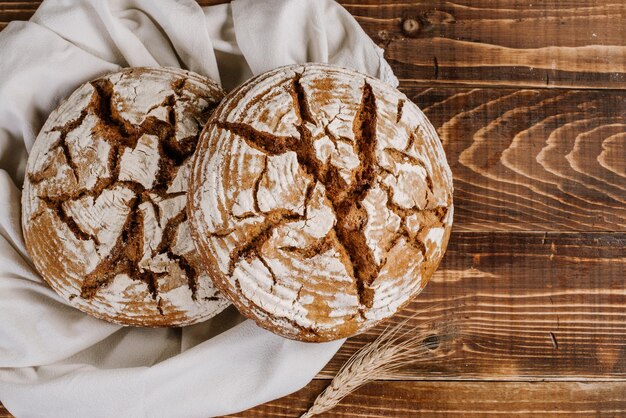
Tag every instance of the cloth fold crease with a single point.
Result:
(57, 361)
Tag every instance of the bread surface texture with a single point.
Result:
(104, 200)
(320, 201)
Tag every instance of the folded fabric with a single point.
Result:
(57, 361)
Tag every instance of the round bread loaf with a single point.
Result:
(320, 201)
(105, 195)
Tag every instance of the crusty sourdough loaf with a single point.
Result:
(320, 200)
(103, 205)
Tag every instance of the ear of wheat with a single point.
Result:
(394, 348)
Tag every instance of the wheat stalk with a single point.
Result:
(380, 359)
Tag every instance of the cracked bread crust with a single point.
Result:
(320, 201)
(105, 195)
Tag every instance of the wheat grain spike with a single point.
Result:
(379, 359)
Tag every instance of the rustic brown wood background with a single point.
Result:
(527, 313)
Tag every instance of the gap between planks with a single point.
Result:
(528, 379)
(407, 83)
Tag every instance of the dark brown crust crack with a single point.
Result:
(59, 211)
(255, 241)
(345, 200)
(62, 144)
(427, 218)
(123, 258)
(36, 178)
(257, 185)
(351, 215)
(399, 111)
(301, 103)
(261, 141)
(190, 272)
(327, 243)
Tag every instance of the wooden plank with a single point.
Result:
(535, 43)
(536, 160)
(22, 10)
(519, 306)
(406, 399)
(527, 159)
(4, 413)
(505, 42)
(16, 10)
(467, 399)
(515, 306)
(532, 159)
(459, 399)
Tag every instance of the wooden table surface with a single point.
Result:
(527, 312)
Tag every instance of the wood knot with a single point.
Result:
(431, 342)
(411, 26)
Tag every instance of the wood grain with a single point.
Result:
(467, 399)
(23, 10)
(460, 399)
(523, 159)
(16, 10)
(541, 43)
(511, 307)
(533, 160)
(532, 288)
(520, 306)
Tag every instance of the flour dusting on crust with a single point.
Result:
(321, 200)
(105, 196)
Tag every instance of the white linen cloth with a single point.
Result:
(56, 361)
